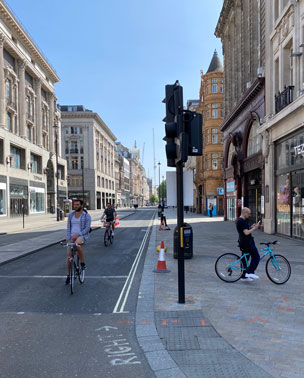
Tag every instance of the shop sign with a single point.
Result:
(220, 191)
(299, 149)
(230, 186)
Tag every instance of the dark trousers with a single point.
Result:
(210, 213)
(254, 255)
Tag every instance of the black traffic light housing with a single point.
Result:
(193, 127)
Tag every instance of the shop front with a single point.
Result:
(18, 198)
(231, 200)
(290, 186)
(81, 195)
(37, 199)
(3, 194)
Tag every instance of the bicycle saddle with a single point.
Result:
(268, 244)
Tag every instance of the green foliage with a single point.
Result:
(162, 190)
(153, 199)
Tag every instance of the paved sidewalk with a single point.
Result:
(244, 329)
(49, 233)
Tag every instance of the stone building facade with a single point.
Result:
(282, 129)
(241, 27)
(209, 167)
(28, 113)
(88, 147)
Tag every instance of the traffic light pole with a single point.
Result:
(180, 225)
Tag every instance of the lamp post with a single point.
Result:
(56, 127)
(159, 182)
(163, 190)
(82, 171)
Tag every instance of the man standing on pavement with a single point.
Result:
(110, 215)
(247, 245)
(78, 228)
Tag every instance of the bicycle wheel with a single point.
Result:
(228, 268)
(278, 269)
(80, 272)
(72, 275)
(105, 239)
(110, 237)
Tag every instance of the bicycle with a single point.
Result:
(108, 237)
(75, 269)
(229, 267)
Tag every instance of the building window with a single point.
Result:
(81, 146)
(17, 157)
(214, 136)
(207, 115)
(74, 147)
(9, 121)
(103, 182)
(36, 163)
(222, 161)
(80, 130)
(1, 151)
(29, 132)
(74, 162)
(214, 113)
(222, 88)
(214, 161)
(214, 80)
(254, 140)
(74, 130)
(214, 88)
(106, 184)
(207, 136)
(98, 180)
(66, 146)
(8, 91)
(81, 162)
(206, 162)
(206, 89)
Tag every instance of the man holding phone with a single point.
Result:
(247, 245)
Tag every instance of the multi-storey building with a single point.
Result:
(282, 128)
(28, 115)
(124, 156)
(88, 146)
(209, 167)
(241, 27)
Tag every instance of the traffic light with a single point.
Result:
(174, 123)
(193, 128)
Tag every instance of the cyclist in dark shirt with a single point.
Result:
(110, 215)
(247, 245)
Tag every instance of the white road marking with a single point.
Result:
(87, 277)
(121, 302)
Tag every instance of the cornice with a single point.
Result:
(27, 41)
(92, 115)
(249, 95)
(228, 4)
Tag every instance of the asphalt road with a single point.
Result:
(46, 332)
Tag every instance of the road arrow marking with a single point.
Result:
(106, 328)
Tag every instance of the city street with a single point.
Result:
(46, 332)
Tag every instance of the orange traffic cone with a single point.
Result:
(116, 221)
(161, 263)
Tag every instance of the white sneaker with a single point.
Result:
(112, 233)
(247, 279)
(252, 275)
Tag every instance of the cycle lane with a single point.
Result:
(261, 320)
(40, 319)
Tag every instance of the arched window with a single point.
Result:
(254, 140)
(230, 153)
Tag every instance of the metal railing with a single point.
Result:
(284, 98)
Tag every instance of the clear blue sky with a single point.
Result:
(115, 58)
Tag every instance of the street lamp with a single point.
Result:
(56, 127)
(163, 189)
(159, 182)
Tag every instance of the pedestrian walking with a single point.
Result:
(210, 208)
(247, 245)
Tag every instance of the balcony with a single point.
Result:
(284, 98)
(11, 104)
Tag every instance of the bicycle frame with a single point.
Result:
(244, 256)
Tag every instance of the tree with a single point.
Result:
(153, 199)
(162, 191)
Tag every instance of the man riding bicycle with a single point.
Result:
(110, 215)
(78, 228)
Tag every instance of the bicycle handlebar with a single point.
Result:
(70, 244)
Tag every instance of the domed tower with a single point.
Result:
(209, 172)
